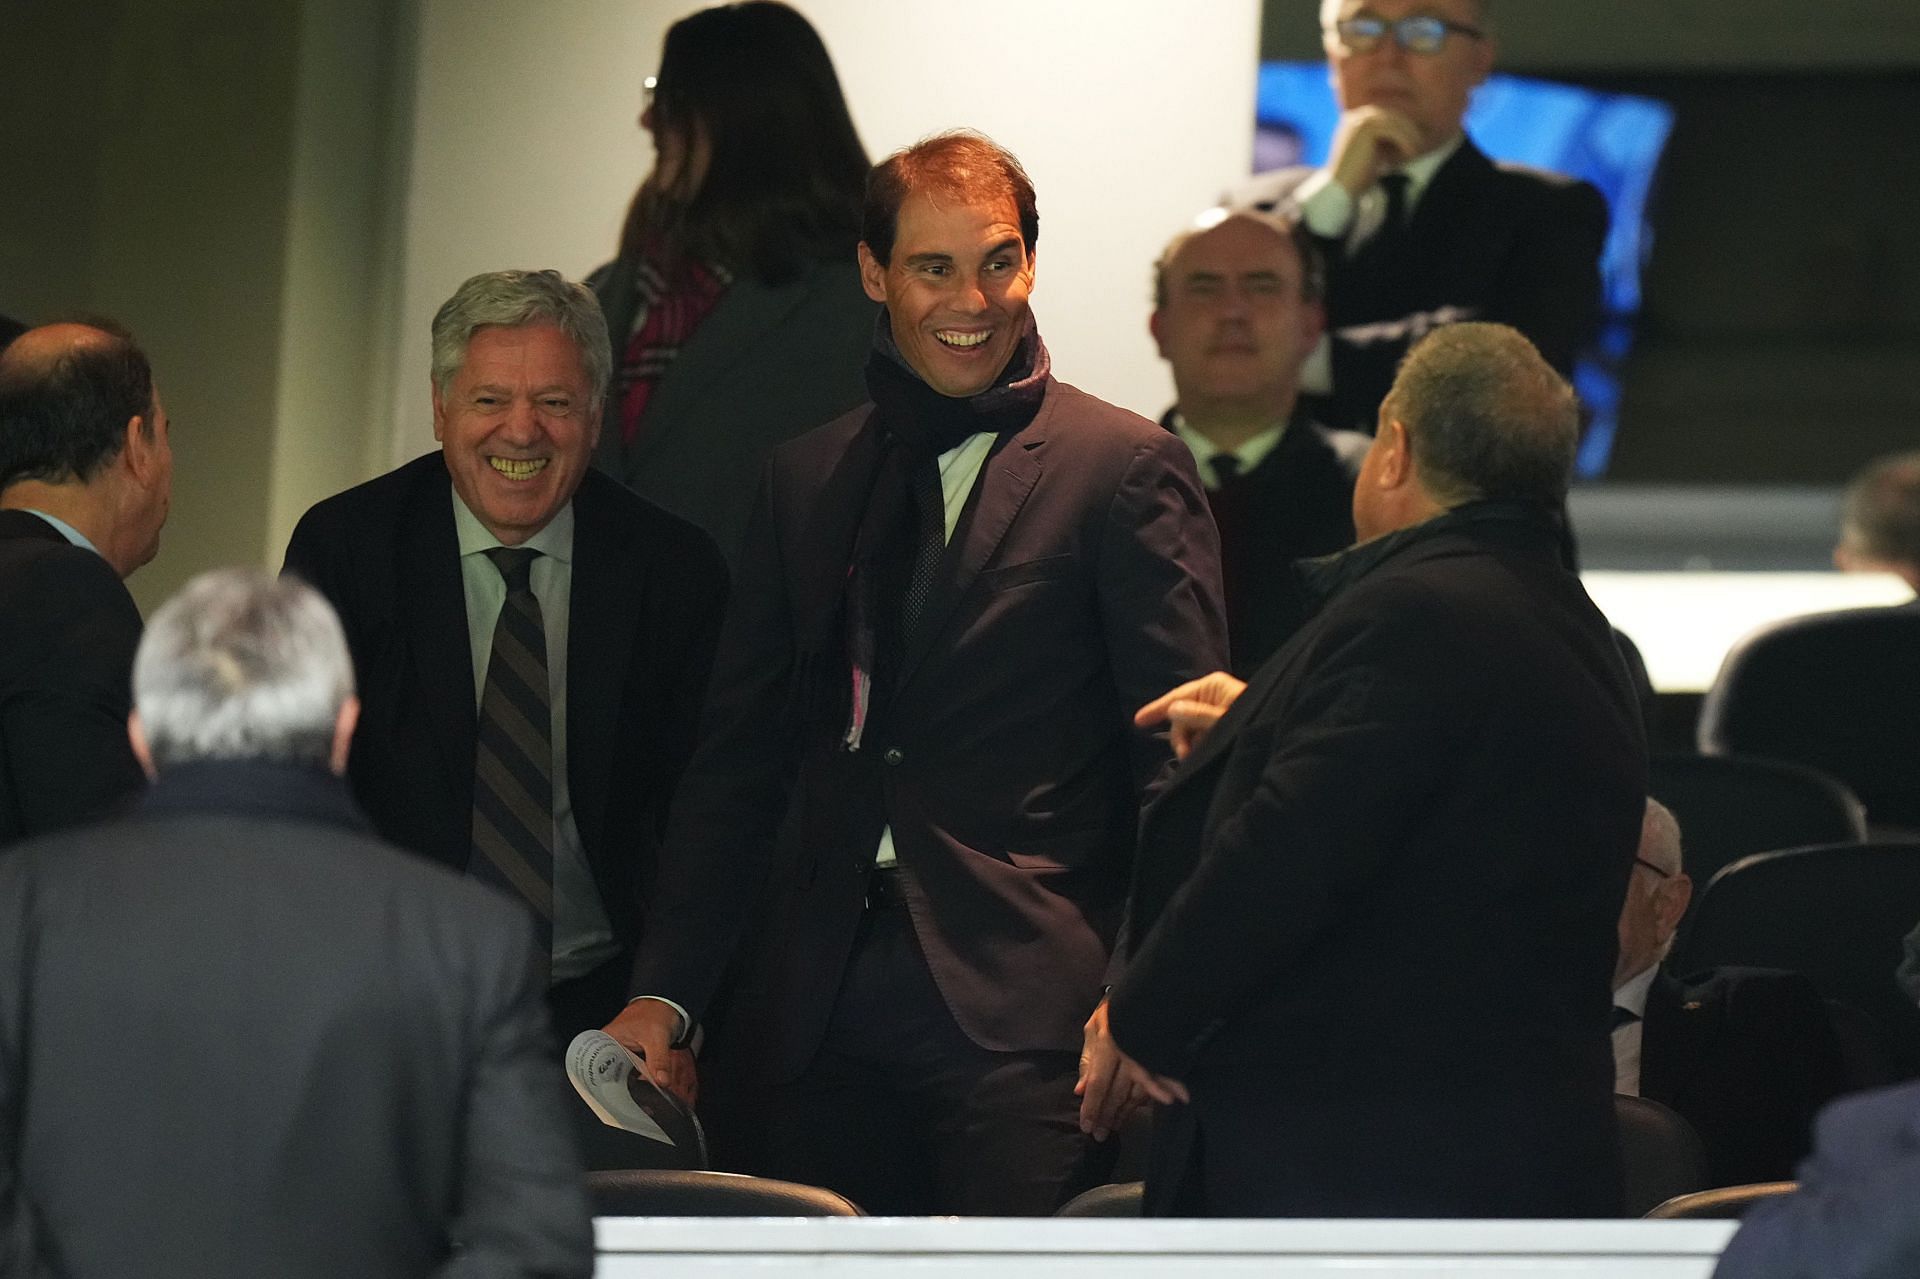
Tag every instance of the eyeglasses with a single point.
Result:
(1422, 33)
(1664, 874)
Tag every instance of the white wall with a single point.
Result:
(1130, 115)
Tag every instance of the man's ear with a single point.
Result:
(439, 413)
(140, 449)
(137, 738)
(873, 275)
(1153, 327)
(1313, 322)
(1396, 456)
(1671, 904)
(343, 725)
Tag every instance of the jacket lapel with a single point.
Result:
(1006, 479)
(603, 606)
(434, 605)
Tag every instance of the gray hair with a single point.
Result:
(1880, 519)
(1487, 415)
(239, 665)
(516, 299)
(1482, 14)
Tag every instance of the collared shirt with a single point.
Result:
(1628, 1037)
(1204, 450)
(960, 469)
(1332, 214)
(65, 530)
(582, 938)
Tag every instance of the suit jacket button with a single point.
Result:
(893, 755)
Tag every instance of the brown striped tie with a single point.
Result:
(513, 757)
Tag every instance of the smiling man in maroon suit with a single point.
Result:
(918, 743)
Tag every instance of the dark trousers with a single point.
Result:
(901, 1112)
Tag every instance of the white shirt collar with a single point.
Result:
(1421, 168)
(1632, 994)
(64, 529)
(554, 541)
(1250, 454)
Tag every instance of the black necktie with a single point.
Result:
(513, 758)
(929, 543)
(1624, 1017)
(1226, 469)
(1380, 254)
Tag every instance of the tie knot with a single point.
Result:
(1395, 185)
(1624, 1016)
(515, 564)
(1226, 468)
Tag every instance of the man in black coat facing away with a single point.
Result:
(86, 478)
(918, 738)
(1373, 921)
(241, 1036)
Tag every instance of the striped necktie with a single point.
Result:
(513, 756)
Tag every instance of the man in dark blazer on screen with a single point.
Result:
(1373, 915)
(547, 772)
(918, 741)
(1419, 227)
(86, 477)
(239, 1035)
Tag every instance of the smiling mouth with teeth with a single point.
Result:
(962, 341)
(517, 468)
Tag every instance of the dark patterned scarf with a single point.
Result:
(851, 649)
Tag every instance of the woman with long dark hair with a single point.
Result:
(735, 307)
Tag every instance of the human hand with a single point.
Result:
(1113, 1085)
(647, 1028)
(1368, 142)
(1192, 709)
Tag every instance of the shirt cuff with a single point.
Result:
(680, 1033)
(1324, 205)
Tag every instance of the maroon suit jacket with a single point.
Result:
(1081, 581)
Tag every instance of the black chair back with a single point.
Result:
(1730, 806)
(665, 1192)
(1839, 692)
(1660, 1153)
(1122, 1199)
(1727, 1203)
(1837, 914)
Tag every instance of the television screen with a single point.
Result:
(1613, 140)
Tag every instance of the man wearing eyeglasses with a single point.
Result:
(1746, 1055)
(1419, 227)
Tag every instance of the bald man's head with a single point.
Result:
(67, 393)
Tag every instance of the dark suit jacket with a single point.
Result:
(1853, 1216)
(648, 591)
(1297, 503)
(1491, 241)
(239, 1036)
(1081, 581)
(68, 630)
(766, 365)
(1432, 791)
(1746, 1055)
